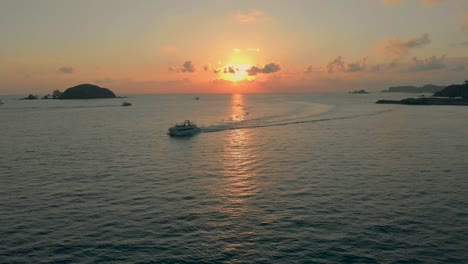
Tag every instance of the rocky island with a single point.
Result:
(456, 94)
(359, 92)
(30, 97)
(86, 91)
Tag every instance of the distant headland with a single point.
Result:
(82, 91)
(455, 94)
(428, 88)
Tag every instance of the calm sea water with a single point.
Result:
(304, 178)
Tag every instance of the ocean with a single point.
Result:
(272, 178)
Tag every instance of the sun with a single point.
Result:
(236, 72)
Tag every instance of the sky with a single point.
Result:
(235, 46)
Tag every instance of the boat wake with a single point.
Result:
(242, 125)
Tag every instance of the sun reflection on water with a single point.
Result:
(238, 162)
(238, 109)
(236, 185)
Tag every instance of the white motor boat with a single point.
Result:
(186, 128)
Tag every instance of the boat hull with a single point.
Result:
(184, 132)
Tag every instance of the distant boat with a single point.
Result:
(196, 98)
(126, 104)
(186, 128)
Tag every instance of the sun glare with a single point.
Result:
(236, 72)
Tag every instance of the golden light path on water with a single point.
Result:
(238, 160)
(239, 176)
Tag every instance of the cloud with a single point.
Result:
(309, 70)
(226, 70)
(188, 67)
(400, 48)
(230, 69)
(357, 66)
(268, 68)
(271, 67)
(464, 26)
(65, 70)
(254, 70)
(339, 65)
(428, 64)
(250, 17)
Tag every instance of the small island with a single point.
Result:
(359, 92)
(82, 91)
(30, 97)
(86, 91)
(456, 94)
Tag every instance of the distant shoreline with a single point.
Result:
(428, 88)
(427, 101)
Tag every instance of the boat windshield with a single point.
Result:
(186, 123)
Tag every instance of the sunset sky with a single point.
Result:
(216, 46)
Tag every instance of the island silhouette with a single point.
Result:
(455, 94)
(428, 88)
(87, 91)
(82, 91)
